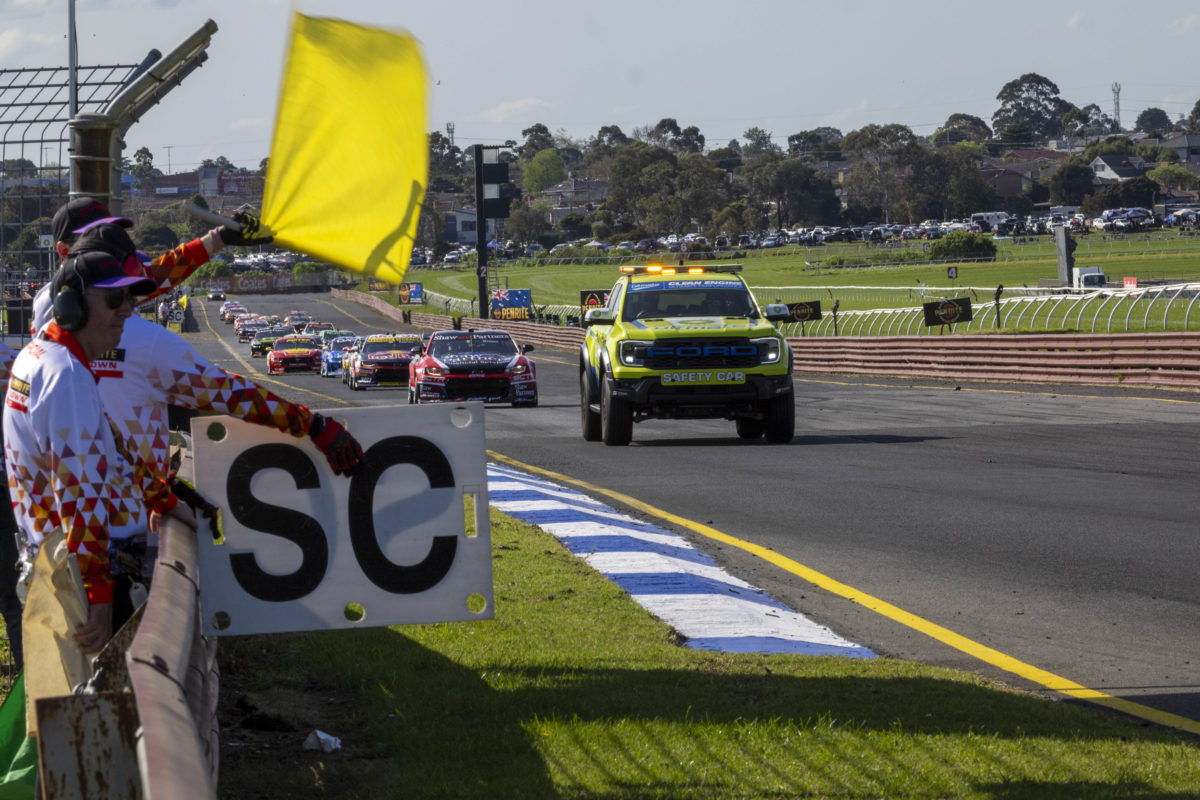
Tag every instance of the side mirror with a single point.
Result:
(598, 316)
(526, 348)
(777, 312)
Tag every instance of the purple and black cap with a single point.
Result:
(80, 215)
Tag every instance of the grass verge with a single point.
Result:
(574, 691)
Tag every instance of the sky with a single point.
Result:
(781, 65)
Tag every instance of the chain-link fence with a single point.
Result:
(34, 170)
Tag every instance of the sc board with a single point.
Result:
(305, 549)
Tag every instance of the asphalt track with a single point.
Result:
(1045, 536)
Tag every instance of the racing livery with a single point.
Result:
(332, 352)
(687, 342)
(382, 360)
(264, 340)
(294, 354)
(473, 365)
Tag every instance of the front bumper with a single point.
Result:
(383, 376)
(295, 365)
(650, 396)
(487, 390)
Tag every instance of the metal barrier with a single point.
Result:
(161, 740)
(1169, 360)
(1159, 359)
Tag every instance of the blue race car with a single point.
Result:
(331, 354)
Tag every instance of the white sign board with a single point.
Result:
(306, 549)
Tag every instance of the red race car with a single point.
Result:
(473, 365)
(294, 354)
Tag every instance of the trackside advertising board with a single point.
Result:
(305, 549)
(512, 304)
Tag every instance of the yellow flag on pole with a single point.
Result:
(350, 155)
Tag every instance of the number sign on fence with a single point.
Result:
(305, 549)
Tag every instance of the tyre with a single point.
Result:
(749, 428)
(616, 418)
(591, 419)
(780, 422)
(412, 396)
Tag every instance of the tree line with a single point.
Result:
(661, 178)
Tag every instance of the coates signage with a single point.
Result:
(948, 312)
(512, 304)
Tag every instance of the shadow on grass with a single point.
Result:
(415, 723)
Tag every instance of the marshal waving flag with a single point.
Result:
(349, 157)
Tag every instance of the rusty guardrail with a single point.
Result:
(1170, 360)
(160, 739)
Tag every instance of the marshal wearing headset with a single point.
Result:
(69, 478)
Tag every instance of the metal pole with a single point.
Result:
(73, 89)
(480, 234)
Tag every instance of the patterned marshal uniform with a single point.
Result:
(65, 466)
(153, 367)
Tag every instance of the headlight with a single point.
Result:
(520, 369)
(769, 350)
(633, 353)
(435, 372)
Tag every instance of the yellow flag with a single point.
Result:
(349, 158)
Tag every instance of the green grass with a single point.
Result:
(574, 691)
(1159, 256)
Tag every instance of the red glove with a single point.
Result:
(341, 449)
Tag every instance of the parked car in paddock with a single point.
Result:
(382, 360)
(265, 339)
(296, 353)
(332, 353)
(482, 365)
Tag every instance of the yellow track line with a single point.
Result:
(945, 635)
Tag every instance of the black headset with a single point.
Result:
(70, 302)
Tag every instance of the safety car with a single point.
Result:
(686, 342)
(482, 365)
(382, 360)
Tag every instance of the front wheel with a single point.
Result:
(780, 423)
(616, 417)
(590, 418)
(749, 428)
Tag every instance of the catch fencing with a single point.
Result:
(1147, 309)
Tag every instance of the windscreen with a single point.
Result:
(501, 344)
(691, 298)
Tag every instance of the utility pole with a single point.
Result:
(168, 148)
(1116, 89)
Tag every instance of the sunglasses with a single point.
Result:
(115, 297)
